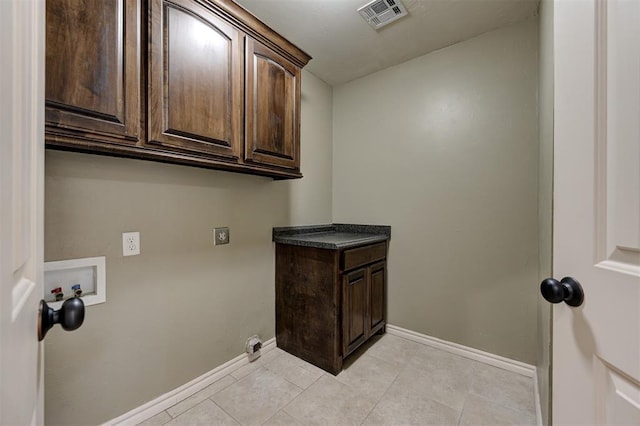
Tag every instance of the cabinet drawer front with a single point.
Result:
(363, 255)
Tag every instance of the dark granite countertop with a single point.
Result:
(332, 236)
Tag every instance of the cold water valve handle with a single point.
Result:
(568, 290)
(70, 316)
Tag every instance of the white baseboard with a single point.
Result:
(169, 399)
(536, 389)
(465, 351)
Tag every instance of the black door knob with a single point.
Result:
(568, 290)
(70, 316)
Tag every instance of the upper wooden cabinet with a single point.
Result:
(92, 71)
(221, 89)
(273, 105)
(195, 80)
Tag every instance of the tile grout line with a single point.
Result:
(480, 365)
(390, 386)
(170, 417)
(220, 390)
(262, 367)
(384, 394)
(505, 405)
(169, 414)
(468, 392)
(295, 384)
(464, 404)
(202, 390)
(292, 399)
(298, 396)
(475, 363)
(200, 402)
(224, 411)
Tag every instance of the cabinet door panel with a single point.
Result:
(273, 105)
(354, 310)
(92, 74)
(195, 81)
(377, 297)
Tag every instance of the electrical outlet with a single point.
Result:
(253, 347)
(220, 236)
(130, 243)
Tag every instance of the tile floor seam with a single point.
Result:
(167, 411)
(462, 410)
(377, 400)
(518, 410)
(295, 384)
(285, 408)
(255, 374)
(507, 406)
(431, 398)
(303, 390)
(377, 357)
(503, 404)
(274, 414)
(201, 390)
(383, 395)
(296, 397)
(225, 411)
(370, 411)
(355, 389)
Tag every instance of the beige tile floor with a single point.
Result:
(391, 381)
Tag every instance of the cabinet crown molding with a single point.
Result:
(253, 26)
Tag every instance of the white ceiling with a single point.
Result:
(344, 47)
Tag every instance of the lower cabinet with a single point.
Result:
(329, 302)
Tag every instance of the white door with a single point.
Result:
(596, 347)
(22, 29)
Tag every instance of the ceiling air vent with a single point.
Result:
(379, 13)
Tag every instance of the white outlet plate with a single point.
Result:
(220, 236)
(130, 243)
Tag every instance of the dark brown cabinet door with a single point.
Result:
(377, 278)
(92, 71)
(354, 310)
(272, 108)
(195, 80)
